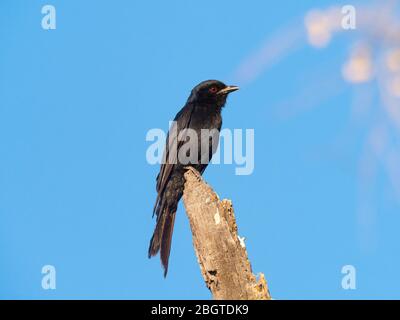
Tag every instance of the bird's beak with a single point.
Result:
(228, 89)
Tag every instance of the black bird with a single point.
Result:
(201, 111)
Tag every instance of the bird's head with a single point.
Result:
(211, 92)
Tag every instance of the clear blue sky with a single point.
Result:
(76, 191)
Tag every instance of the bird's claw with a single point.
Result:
(194, 171)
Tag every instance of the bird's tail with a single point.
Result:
(162, 237)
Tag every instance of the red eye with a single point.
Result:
(213, 89)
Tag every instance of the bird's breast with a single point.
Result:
(206, 119)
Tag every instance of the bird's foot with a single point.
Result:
(195, 172)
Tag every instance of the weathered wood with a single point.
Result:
(221, 253)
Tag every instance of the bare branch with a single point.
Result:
(221, 253)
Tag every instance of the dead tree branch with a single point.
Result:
(221, 253)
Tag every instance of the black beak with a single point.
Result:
(228, 89)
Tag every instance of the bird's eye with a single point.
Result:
(213, 89)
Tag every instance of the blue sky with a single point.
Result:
(76, 191)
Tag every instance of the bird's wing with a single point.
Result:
(181, 122)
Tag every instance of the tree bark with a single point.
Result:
(221, 253)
